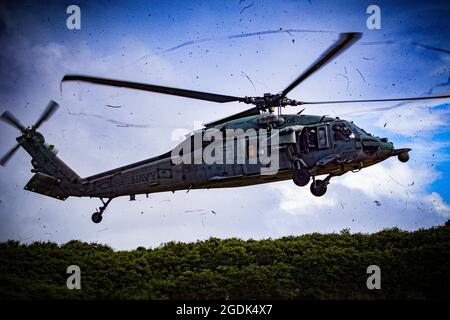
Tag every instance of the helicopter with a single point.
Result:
(306, 146)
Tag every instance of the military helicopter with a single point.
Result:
(308, 146)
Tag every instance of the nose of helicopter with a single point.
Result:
(385, 145)
(387, 150)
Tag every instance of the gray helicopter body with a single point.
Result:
(307, 140)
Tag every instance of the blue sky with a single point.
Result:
(208, 45)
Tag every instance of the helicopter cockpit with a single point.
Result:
(359, 132)
(341, 131)
(346, 130)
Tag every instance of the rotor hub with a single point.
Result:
(270, 101)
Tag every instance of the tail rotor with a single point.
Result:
(8, 155)
(28, 132)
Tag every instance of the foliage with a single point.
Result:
(414, 265)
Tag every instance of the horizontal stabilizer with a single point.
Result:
(46, 185)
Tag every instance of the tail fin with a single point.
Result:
(53, 177)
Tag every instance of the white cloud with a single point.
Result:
(391, 179)
(388, 194)
(412, 120)
(441, 207)
(300, 201)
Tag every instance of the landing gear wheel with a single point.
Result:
(97, 217)
(318, 188)
(301, 177)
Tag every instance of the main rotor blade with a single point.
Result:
(48, 112)
(12, 120)
(154, 88)
(345, 40)
(8, 155)
(246, 113)
(374, 100)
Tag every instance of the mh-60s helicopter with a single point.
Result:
(307, 146)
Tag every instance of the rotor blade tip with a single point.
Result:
(351, 36)
(4, 160)
(68, 77)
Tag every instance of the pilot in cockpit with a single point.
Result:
(341, 131)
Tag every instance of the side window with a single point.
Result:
(322, 137)
(312, 138)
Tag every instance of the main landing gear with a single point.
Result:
(318, 187)
(301, 176)
(97, 215)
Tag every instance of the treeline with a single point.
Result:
(414, 265)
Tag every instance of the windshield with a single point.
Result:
(359, 131)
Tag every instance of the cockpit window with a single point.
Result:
(341, 131)
(359, 131)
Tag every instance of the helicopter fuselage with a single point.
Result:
(318, 145)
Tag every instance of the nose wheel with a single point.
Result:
(97, 215)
